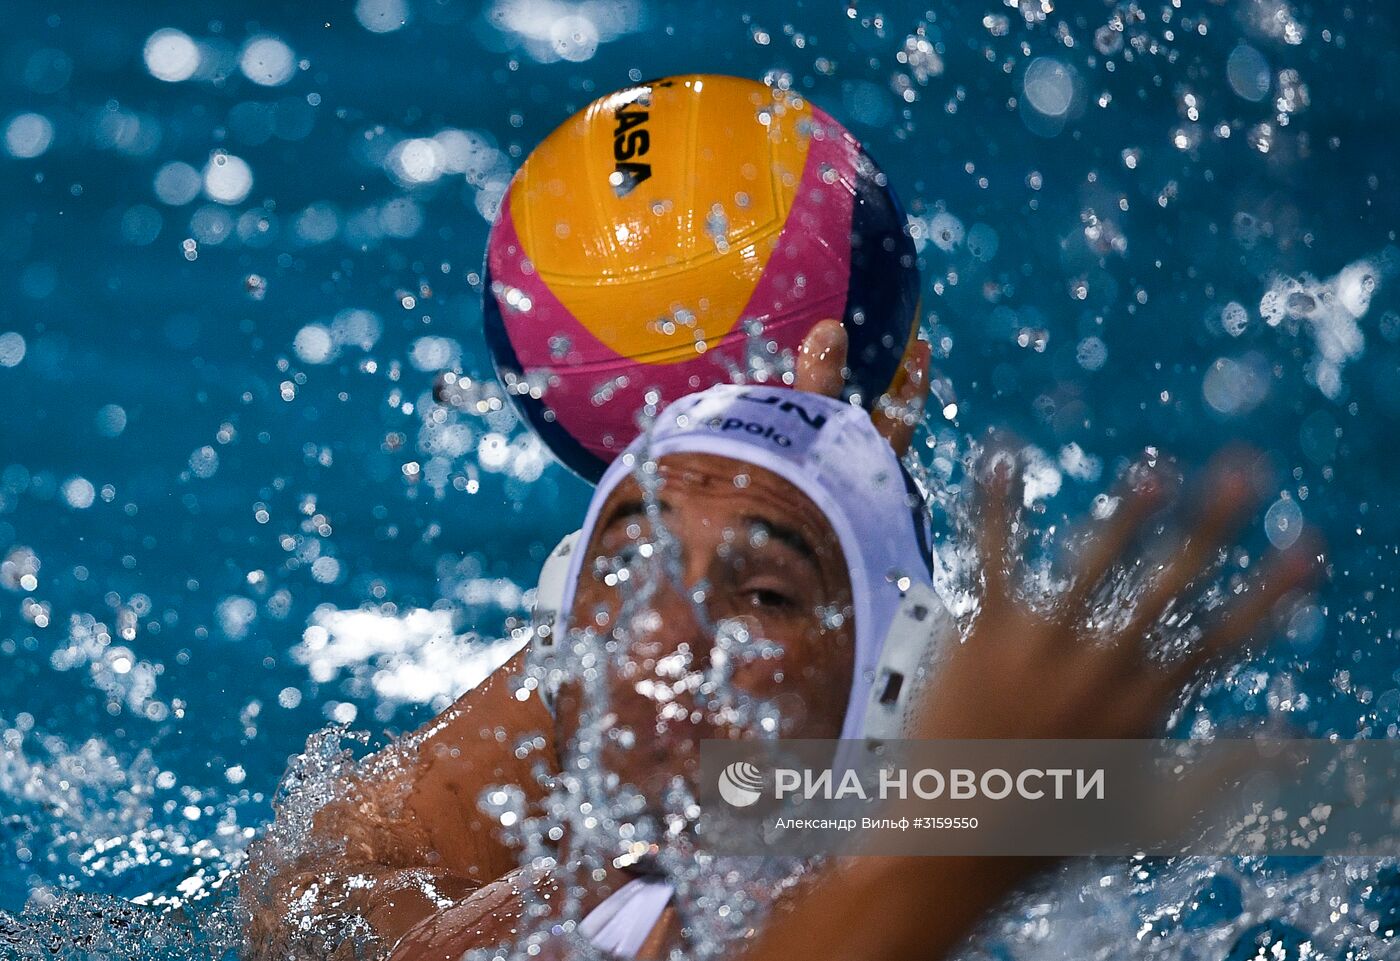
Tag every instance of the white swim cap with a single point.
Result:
(831, 452)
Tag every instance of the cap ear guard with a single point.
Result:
(918, 630)
(549, 601)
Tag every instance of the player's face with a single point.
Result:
(751, 558)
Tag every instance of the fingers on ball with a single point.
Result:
(821, 359)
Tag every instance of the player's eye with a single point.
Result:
(615, 553)
(770, 599)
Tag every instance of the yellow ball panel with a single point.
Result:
(655, 255)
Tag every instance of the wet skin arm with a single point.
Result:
(408, 837)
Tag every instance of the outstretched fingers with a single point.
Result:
(1142, 492)
(1228, 495)
(1000, 491)
(1250, 613)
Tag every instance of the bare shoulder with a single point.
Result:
(491, 736)
(495, 733)
(414, 804)
(501, 696)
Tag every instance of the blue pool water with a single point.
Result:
(234, 264)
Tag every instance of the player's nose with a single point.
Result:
(673, 621)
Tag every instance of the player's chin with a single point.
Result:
(657, 742)
(655, 765)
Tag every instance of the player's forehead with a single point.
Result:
(726, 492)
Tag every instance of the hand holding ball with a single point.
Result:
(682, 233)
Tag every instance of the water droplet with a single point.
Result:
(1248, 73)
(1283, 523)
(1049, 86)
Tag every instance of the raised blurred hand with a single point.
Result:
(1075, 668)
(1081, 668)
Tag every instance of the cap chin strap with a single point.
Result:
(904, 658)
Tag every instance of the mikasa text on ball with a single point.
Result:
(671, 233)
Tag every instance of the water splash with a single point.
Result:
(1330, 312)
